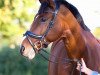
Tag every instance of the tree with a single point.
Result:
(15, 17)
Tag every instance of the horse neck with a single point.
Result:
(72, 34)
(82, 44)
(78, 42)
(75, 44)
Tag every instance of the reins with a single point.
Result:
(66, 60)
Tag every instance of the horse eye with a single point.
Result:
(43, 19)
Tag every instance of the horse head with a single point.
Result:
(52, 22)
(44, 29)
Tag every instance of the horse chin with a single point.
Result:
(31, 54)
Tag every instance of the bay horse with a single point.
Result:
(59, 22)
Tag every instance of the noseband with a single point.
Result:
(41, 39)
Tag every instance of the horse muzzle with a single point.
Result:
(29, 52)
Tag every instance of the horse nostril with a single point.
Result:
(45, 45)
(22, 49)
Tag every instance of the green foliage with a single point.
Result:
(1, 3)
(15, 17)
(12, 63)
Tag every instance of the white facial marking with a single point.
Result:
(31, 54)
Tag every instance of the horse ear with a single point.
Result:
(41, 1)
(51, 3)
(54, 3)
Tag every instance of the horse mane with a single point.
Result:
(76, 14)
(72, 8)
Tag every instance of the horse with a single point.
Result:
(59, 22)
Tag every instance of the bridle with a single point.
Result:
(41, 39)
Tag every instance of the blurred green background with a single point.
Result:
(16, 17)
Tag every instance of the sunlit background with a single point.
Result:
(16, 17)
